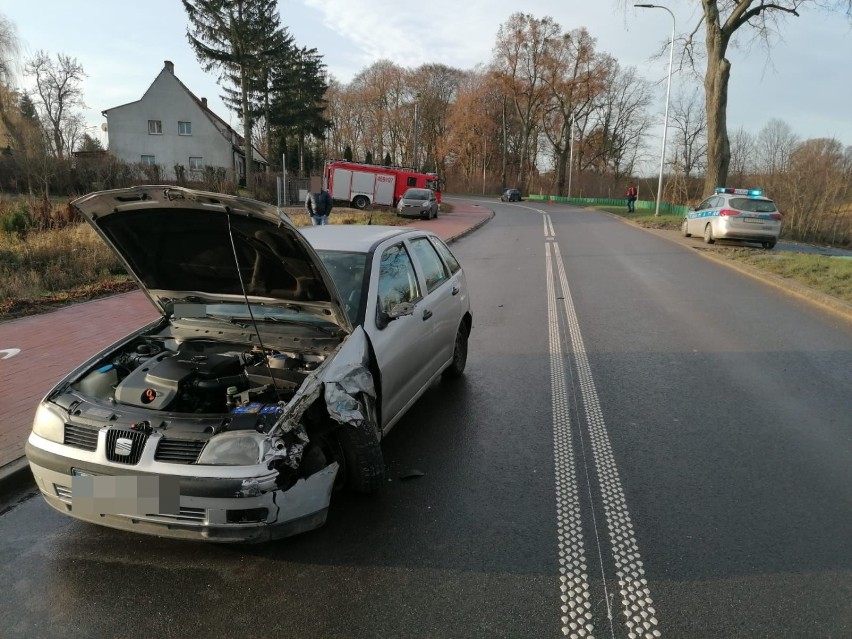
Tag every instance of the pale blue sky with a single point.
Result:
(122, 45)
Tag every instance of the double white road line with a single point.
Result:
(573, 472)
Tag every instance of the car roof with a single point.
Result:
(360, 238)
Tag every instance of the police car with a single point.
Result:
(735, 214)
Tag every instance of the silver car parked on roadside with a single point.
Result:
(735, 214)
(279, 362)
(418, 203)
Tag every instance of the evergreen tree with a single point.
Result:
(347, 153)
(236, 37)
(298, 104)
(388, 161)
(369, 158)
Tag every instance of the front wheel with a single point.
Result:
(360, 455)
(708, 235)
(456, 368)
(684, 228)
(360, 202)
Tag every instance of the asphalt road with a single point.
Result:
(645, 443)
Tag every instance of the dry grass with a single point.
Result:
(42, 270)
(341, 215)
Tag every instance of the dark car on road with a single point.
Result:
(511, 195)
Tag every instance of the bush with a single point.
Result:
(16, 222)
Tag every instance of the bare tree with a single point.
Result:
(689, 121)
(523, 46)
(743, 157)
(617, 123)
(8, 52)
(722, 20)
(576, 75)
(58, 91)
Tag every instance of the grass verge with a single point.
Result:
(829, 275)
(648, 220)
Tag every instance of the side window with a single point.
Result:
(704, 205)
(411, 181)
(432, 265)
(449, 258)
(397, 279)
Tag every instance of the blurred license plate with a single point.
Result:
(124, 495)
(753, 220)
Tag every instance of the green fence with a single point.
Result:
(648, 205)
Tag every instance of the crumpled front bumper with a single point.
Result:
(210, 508)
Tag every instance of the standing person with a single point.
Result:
(632, 193)
(318, 206)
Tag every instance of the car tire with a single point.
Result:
(708, 235)
(362, 463)
(769, 245)
(684, 228)
(360, 202)
(456, 368)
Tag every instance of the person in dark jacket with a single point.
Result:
(318, 206)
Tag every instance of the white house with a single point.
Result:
(170, 126)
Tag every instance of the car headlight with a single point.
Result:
(49, 424)
(235, 449)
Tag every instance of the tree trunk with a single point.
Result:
(246, 129)
(716, 91)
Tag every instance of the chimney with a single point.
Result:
(204, 102)
(170, 66)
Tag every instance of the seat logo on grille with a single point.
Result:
(123, 446)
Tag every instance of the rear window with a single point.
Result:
(753, 206)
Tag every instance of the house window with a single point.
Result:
(149, 159)
(195, 164)
(184, 128)
(155, 127)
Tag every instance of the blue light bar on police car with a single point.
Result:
(749, 192)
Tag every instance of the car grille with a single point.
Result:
(84, 437)
(178, 451)
(62, 492)
(125, 446)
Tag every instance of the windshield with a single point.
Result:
(416, 194)
(347, 269)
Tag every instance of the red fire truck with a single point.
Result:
(366, 184)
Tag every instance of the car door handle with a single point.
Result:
(456, 289)
(427, 314)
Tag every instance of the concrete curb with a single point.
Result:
(471, 229)
(16, 476)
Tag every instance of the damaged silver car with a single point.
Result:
(267, 383)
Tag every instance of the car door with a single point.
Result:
(695, 219)
(440, 304)
(402, 346)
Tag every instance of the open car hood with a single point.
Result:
(183, 245)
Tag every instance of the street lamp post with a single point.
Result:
(668, 91)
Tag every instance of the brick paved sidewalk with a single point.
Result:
(52, 344)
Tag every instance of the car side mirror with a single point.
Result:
(384, 318)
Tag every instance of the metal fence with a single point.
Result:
(650, 205)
